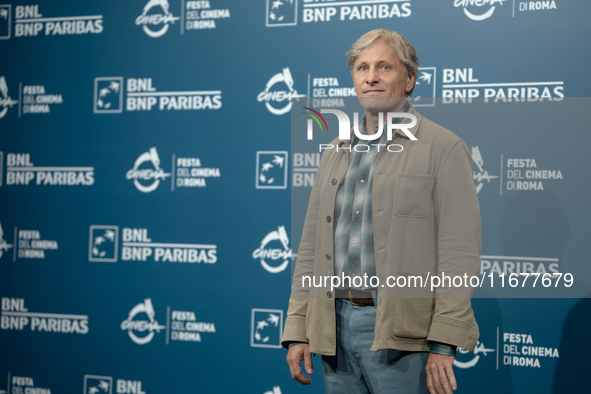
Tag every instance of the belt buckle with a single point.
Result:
(353, 302)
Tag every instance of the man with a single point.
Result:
(386, 213)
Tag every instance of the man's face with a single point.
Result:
(378, 73)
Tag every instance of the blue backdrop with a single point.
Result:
(145, 249)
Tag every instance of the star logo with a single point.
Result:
(97, 384)
(423, 94)
(281, 12)
(267, 328)
(271, 170)
(108, 95)
(103, 243)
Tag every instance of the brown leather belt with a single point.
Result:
(357, 298)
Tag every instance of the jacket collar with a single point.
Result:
(415, 128)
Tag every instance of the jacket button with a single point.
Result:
(333, 181)
(328, 219)
(329, 294)
(328, 256)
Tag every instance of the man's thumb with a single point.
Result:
(308, 363)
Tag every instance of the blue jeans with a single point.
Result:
(355, 369)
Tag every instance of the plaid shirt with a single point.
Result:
(353, 224)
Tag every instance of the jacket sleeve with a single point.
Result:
(459, 245)
(295, 324)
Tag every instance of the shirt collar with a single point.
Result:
(408, 107)
(405, 108)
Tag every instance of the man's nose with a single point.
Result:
(372, 76)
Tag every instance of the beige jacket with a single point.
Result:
(426, 221)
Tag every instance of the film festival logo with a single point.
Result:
(275, 94)
(271, 172)
(156, 18)
(5, 100)
(136, 329)
(94, 384)
(4, 246)
(463, 354)
(5, 11)
(274, 255)
(478, 10)
(103, 244)
(108, 95)
(482, 174)
(266, 328)
(150, 177)
(423, 94)
(282, 13)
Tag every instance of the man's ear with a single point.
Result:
(410, 82)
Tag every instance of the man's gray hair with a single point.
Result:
(404, 50)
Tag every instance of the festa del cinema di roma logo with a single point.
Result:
(154, 175)
(156, 18)
(5, 100)
(4, 246)
(274, 97)
(141, 326)
(462, 362)
(264, 253)
(480, 5)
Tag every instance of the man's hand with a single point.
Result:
(440, 375)
(295, 355)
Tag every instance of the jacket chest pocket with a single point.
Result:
(414, 195)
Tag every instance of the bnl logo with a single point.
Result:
(271, 170)
(345, 124)
(103, 241)
(423, 94)
(94, 384)
(108, 95)
(282, 13)
(266, 328)
(5, 11)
